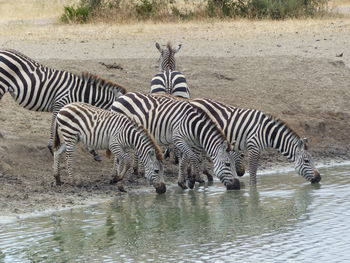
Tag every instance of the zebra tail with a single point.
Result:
(56, 140)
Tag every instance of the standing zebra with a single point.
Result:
(40, 88)
(168, 80)
(101, 129)
(254, 131)
(175, 121)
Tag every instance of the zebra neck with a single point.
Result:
(286, 145)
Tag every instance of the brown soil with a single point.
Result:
(295, 76)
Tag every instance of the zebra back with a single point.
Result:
(170, 82)
(95, 91)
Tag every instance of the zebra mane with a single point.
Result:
(21, 55)
(99, 81)
(278, 121)
(151, 140)
(212, 121)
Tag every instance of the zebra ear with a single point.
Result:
(158, 47)
(177, 48)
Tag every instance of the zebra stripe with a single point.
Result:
(175, 121)
(254, 131)
(170, 82)
(100, 129)
(40, 88)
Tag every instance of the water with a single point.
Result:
(285, 220)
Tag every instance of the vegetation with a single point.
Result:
(172, 10)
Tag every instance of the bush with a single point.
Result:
(167, 10)
(275, 9)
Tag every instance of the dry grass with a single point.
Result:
(32, 9)
(101, 31)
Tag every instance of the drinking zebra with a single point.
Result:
(100, 129)
(40, 88)
(174, 121)
(254, 131)
(168, 80)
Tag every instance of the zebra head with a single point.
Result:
(304, 164)
(224, 166)
(167, 57)
(154, 171)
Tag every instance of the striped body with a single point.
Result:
(254, 131)
(170, 82)
(39, 88)
(100, 129)
(175, 121)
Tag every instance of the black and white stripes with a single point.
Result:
(40, 88)
(255, 131)
(100, 129)
(175, 121)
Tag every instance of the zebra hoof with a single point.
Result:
(182, 185)
(160, 188)
(191, 183)
(235, 185)
(121, 188)
(97, 158)
(114, 180)
(58, 181)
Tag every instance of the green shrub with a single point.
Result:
(74, 14)
(167, 10)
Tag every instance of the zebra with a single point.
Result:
(40, 88)
(254, 131)
(168, 80)
(101, 129)
(174, 121)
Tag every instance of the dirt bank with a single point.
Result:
(271, 72)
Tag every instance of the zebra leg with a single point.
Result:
(119, 170)
(136, 165)
(52, 131)
(69, 158)
(56, 163)
(253, 156)
(187, 155)
(181, 180)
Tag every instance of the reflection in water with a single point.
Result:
(280, 221)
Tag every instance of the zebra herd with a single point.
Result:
(103, 115)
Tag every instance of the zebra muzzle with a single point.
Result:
(316, 178)
(160, 188)
(233, 185)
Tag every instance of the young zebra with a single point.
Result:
(169, 81)
(175, 121)
(254, 131)
(101, 129)
(40, 88)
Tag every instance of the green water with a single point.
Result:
(284, 220)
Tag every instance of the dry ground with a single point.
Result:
(292, 69)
